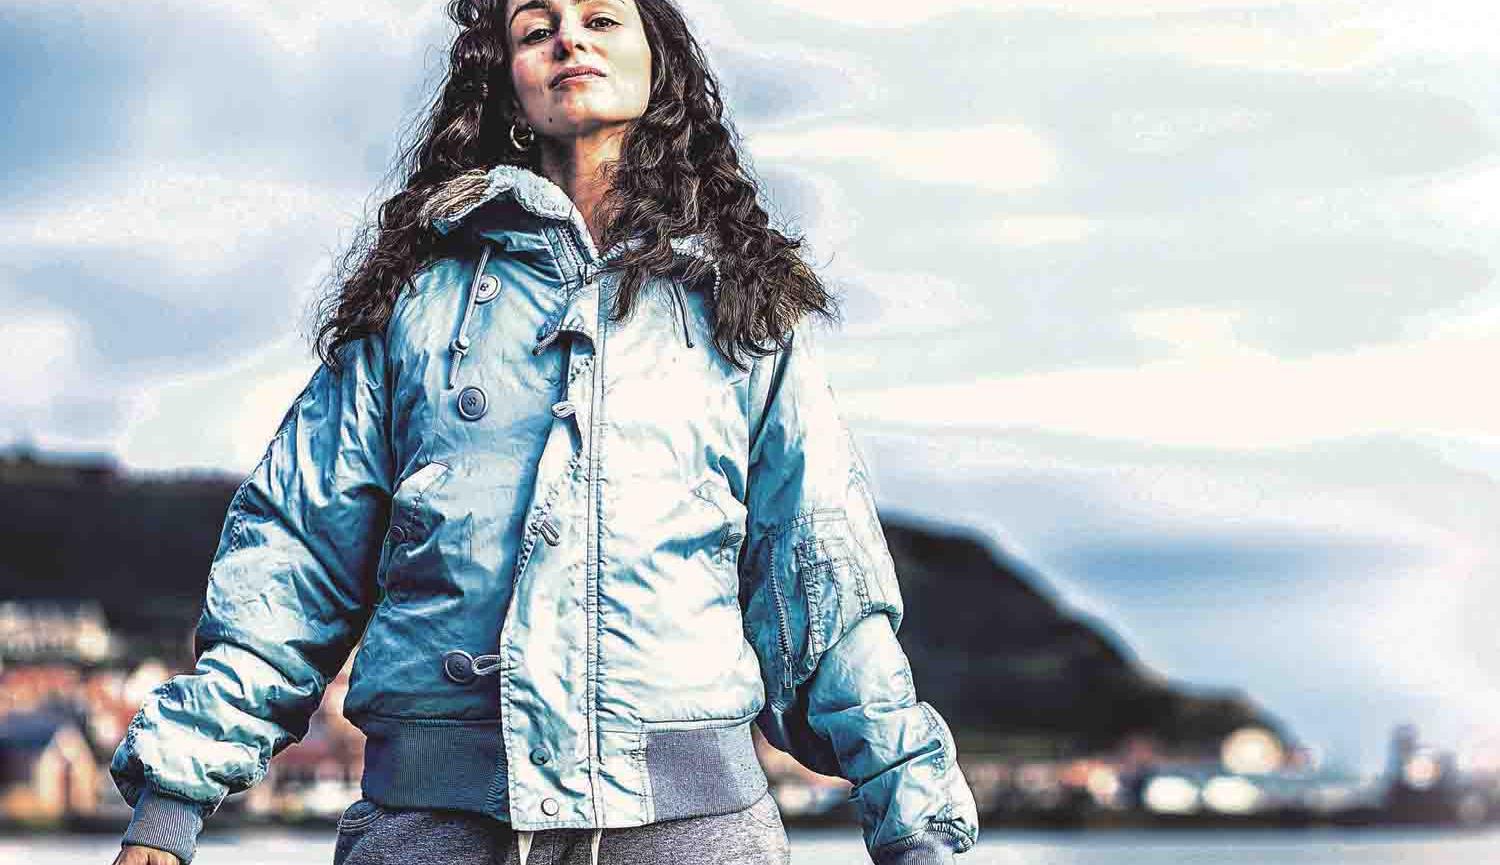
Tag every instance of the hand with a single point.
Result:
(134, 854)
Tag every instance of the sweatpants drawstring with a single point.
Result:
(523, 841)
(524, 838)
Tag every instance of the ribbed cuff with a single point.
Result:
(924, 848)
(165, 822)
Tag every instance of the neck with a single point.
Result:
(575, 165)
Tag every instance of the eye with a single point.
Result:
(527, 40)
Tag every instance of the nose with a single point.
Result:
(571, 32)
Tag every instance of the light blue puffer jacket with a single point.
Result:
(578, 558)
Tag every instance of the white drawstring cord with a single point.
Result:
(524, 838)
(460, 344)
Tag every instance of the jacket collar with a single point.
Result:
(457, 201)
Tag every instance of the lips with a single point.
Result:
(573, 72)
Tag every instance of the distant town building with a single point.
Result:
(47, 769)
(33, 630)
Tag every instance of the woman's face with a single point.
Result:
(548, 37)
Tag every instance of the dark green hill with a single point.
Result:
(140, 545)
(995, 651)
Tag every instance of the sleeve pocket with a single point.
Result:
(823, 585)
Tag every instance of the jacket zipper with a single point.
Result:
(781, 617)
(592, 507)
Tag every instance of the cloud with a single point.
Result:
(196, 220)
(48, 394)
(1015, 155)
(1315, 38)
(245, 399)
(782, 85)
(291, 26)
(1319, 38)
(1223, 394)
(41, 358)
(1453, 31)
(1467, 198)
(1035, 229)
(899, 303)
(166, 266)
(1193, 332)
(301, 28)
(1290, 197)
(204, 88)
(899, 14)
(1060, 492)
(1156, 133)
(811, 203)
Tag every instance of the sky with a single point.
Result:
(1190, 304)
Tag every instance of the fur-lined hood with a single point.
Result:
(462, 195)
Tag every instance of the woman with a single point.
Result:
(589, 517)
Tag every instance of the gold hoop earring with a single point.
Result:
(530, 137)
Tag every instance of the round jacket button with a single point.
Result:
(539, 756)
(489, 286)
(458, 666)
(472, 403)
(549, 806)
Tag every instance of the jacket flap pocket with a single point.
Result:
(416, 484)
(718, 494)
(409, 519)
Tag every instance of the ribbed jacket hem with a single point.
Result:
(664, 774)
(924, 848)
(165, 822)
(434, 764)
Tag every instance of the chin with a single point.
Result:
(582, 121)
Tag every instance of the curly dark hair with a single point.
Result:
(679, 173)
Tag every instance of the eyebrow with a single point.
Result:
(534, 4)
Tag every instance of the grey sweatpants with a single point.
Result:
(371, 834)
